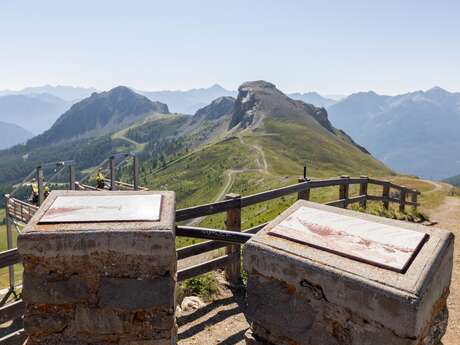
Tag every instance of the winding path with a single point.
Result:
(229, 174)
(447, 216)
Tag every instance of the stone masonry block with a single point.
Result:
(305, 295)
(100, 282)
(134, 294)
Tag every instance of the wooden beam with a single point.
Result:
(233, 223)
(402, 200)
(304, 194)
(344, 190)
(12, 311)
(41, 190)
(16, 338)
(71, 177)
(9, 257)
(208, 266)
(386, 195)
(206, 210)
(135, 172)
(414, 204)
(199, 248)
(113, 185)
(363, 190)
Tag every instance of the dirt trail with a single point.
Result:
(230, 173)
(447, 217)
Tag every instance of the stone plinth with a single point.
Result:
(101, 282)
(309, 283)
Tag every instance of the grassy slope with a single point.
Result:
(201, 177)
(454, 180)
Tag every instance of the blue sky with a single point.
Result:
(336, 47)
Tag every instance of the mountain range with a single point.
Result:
(33, 112)
(12, 135)
(259, 139)
(414, 133)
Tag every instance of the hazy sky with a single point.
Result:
(329, 46)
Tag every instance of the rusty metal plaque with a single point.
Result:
(377, 244)
(103, 208)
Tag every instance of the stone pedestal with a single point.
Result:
(108, 281)
(326, 283)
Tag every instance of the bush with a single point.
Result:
(205, 286)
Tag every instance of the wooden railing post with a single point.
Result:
(233, 223)
(9, 243)
(71, 177)
(135, 172)
(41, 190)
(344, 190)
(386, 195)
(112, 173)
(305, 194)
(414, 199)
(363, 190)
(402, 199)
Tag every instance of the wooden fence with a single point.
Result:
(232, 205)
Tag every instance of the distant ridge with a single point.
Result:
(99, 114)
(34, 112)
(64, 92)
(12, 134)
(189, 101)
(414, 133)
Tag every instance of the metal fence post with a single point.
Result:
(233, 223)
(112, 173)
(304, 194)
(135, 172)
(402, 199)
(41, 190)
(363, 186)
(386, 195)
(71, 177)
(344, 190)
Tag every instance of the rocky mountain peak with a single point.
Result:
(219, 107)
(260, 99)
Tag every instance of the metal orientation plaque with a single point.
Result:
(103, 208)
(366, 241)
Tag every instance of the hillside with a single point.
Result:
(454, 180)
(33, 112)
(414, 133)
(99, 114)
(12, 135)
(269, 139)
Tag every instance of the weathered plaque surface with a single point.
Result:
(374, 243)
(104, 208)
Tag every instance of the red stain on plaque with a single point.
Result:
(61, 210)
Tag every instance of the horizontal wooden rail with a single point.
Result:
(206, 210)
(199, 248)
(16, 338)
(394, 186)
(206, 267)
(9, 257)
(12, 311)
